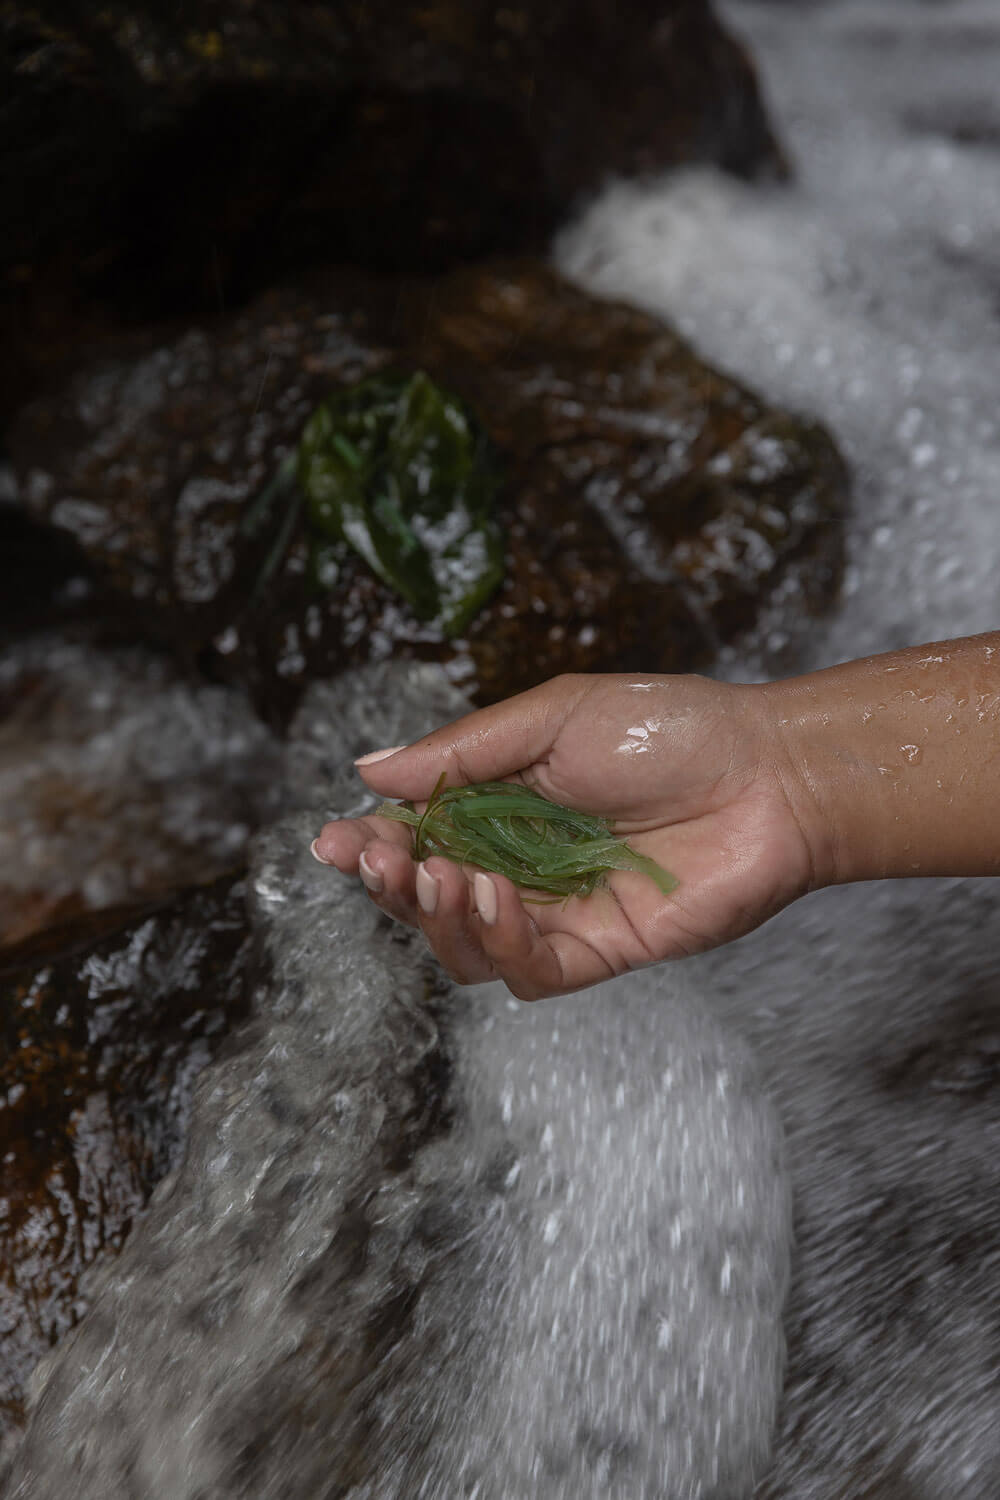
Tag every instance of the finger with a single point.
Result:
(342, 843)
(450, 923)
(483, 746)
(378, 851)
(389, 877)
(533, 964)
(613, 921)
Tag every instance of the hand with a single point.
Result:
(689, 770)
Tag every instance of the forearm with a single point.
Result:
(892, 764)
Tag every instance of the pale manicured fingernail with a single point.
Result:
(371, 877)
(316, 854)
(486, 898)
(374, 755)
(428, 890)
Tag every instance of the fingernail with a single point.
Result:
(374, 755)
(428, 890)
(370, 876)
(316, 854)
(486, 898)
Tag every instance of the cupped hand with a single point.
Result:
(693, 773)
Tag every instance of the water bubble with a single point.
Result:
(909, 424)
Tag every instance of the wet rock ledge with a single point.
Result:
(651, 504)
(101, 1039)
(162, 158)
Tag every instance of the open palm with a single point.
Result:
(689, 770)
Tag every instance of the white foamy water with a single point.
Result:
(867, 293)
(429, 1241)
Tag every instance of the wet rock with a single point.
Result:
(650, 501)
(171, 157)
(100, 1044)
(119, 781)
(428, 1241)
(44, 577)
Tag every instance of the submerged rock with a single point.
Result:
(428, 1241)
(99, 1049)
(650, 502)
(119, 781)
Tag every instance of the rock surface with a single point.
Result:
(651, 502)
(178, 157)
(119, 782)
(100, 1043)
(45, 577)
(433, 1242)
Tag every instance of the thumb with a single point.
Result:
(484, 746)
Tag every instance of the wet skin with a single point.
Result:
(751, 795)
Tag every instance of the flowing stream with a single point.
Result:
(869, 295)
(432, 1243)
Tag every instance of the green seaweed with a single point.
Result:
(398, 468)
(514, 831)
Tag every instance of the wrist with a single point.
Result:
(889, 763)
(828, 779)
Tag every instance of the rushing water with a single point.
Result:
(868, 294)
(430, 1243)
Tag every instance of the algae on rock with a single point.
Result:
(400, 470)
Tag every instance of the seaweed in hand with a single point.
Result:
(512, 830)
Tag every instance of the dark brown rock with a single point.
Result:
(178, 156)
(45, 576)
(99, 1049)
(650, 503)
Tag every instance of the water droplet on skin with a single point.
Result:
(638, 739)
(911, 754)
